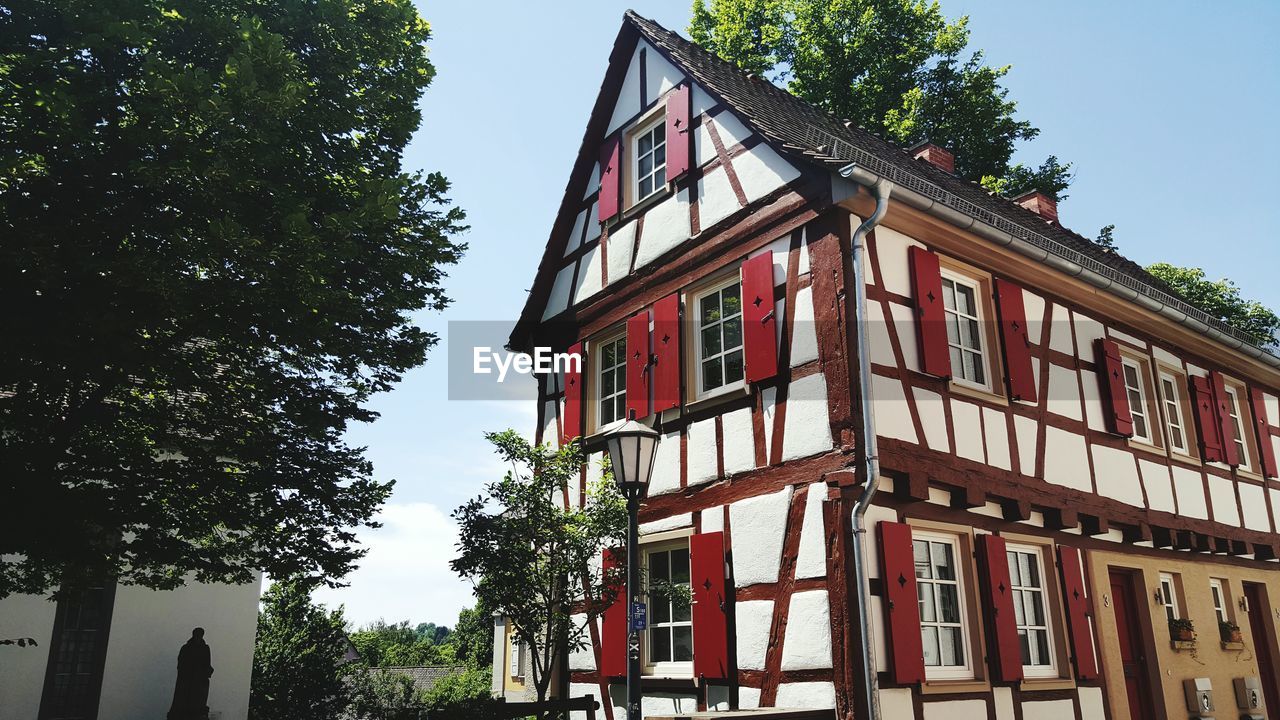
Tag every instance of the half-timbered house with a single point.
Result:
(1071, 459)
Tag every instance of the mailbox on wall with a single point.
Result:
(1249, 697)
(1199, 693)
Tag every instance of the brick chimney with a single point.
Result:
(1040, 204)
(934, 155)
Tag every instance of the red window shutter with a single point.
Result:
(1226, 428)
(993, 566)
(610, 177)
(1078, 612)
(1114, 394)
(666, 353)
(759, 333)
(931, 319)
(1263, 428)
(571, 421)
(613, 629)
(1207, 419)
(638, 365)
(1017, 346)
(710, 624)
(902, 609)
(679, 133)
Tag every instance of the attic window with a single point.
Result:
(649, 154)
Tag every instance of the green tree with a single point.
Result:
(298, 670)
(1107, 238)
(897, 67)
(383, 644)
(472, 636)
(212, 253)
(1221, 299)
(465, 695)
(528, 555)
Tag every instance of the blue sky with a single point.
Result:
(1168, 111)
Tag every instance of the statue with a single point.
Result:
(191, 691)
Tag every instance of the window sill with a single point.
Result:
(1147, 447)
(1046, 683)
(959, 388)
(937, 687)
(645, 204)
(718, 397)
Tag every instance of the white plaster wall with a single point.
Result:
(1024, 432)
(891, 251)
(808, 428)
(1003, 698)
(1094, 410)
(893, 415)
(717, 698)
(1091, 704)
(806, 695)
(1033, 308)
(1087, 330)
(758, 525)
(672, 522)
(769, 407)
(716, 200)
(1065, 462)
(149, 627)
(811, 560)
(753, 620)
(577, 690)
(739, 441)
(665, 704)
(957, 710)
(904, 325)
(583, 658)
(666, 225)
(660, 75)
(1125, 337)
(996, 430)
(628, 102)
(878, 336)
(558, 301)
(896, 703)
(748, 698)
(1254, 504)
(804, 342)
(713, 519)
(593, 184)
(967, 427)
(807, 645)
(701, 451)
(1060, 337)
(666, 465)
(1275, 505)
(760, 170)
(1222, 496)
(1158, 484)
(1189, 487)
(1166, 356)
(549, 434)
(575, 235)
(593, 215)
(933, 419)
(1117, 475)
(621, 242)
(1064, 392)
(590, 280)
(22, 669)
(1049, 710)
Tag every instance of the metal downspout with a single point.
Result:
(881, 189)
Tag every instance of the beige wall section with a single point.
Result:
(1210, 660)
(22, 669)
(147, 630)
(512, 687)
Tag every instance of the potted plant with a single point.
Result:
(1182, 630)
(1230, 632)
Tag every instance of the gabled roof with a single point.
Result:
(800, 129)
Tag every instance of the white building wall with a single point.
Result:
(22, 669)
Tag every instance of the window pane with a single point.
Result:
(711, 341)
(920, 549)
(680, 565)
(646, 187)
(711, 376)
(660, 177)
(659, 566)
(1035, 609)
(929, 635)
(645, 144)
(733, 367)
(1140, 426)
(949, 643)
(957, 364)
(660, 610)
(1131, 376)
(972, 339)
(1030, 570)
(646, 165)
(928, 608)
(1177, 437)
(948, 604)
(733, 332)
(948, 294)
(1019, 616)
(660, 133)
(710, 308)
(953, 329)
(683, 644)
(660, 156)
(606, 383)
(732, 300)
(942, 561)
(1042, 646)
(1012, 557)
(661, 650)
(1026, 647)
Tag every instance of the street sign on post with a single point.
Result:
(639, 616)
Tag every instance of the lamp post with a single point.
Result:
(631, 450)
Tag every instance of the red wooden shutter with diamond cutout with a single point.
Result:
(1206, 419)
(1226, 426)
(993, 567)
(902, 609)
(759, 333)
(1114, 393)
(571, 420)
(1017, 346)
(638, 365)
(679, 133)
(666, 353)
(1078, 612)
(613, 627)
(1263, 429)
(931, 318)
(710, 620)
(610, 200)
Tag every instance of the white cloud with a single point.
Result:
(406, 574)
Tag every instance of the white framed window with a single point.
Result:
(668, 646)
(1174, 423)
(943, 619)
(1219, 595)
(962, 304)
(649, 154)
(1237, 422)
(1031, 610)
(517, 658)
(719, 341)
(611, 381)
(1137, 400)
(1169, 596)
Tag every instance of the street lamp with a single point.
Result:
(631, 450)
